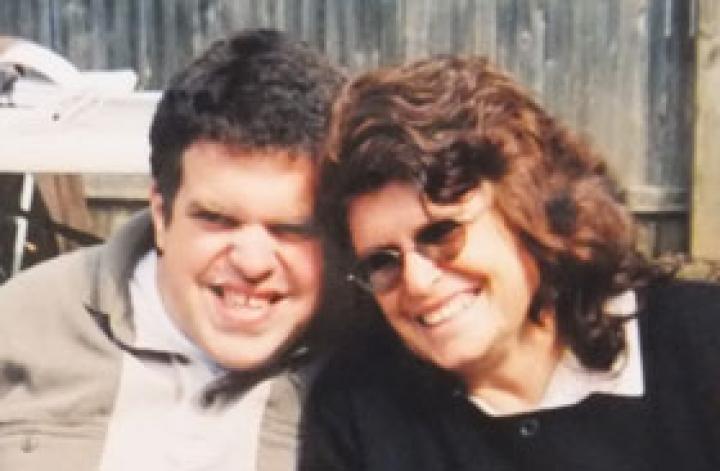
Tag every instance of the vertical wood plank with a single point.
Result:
(99, 46)
(705, 216)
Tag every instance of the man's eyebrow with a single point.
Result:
(307, 225)
(197, 209)
(198, 206)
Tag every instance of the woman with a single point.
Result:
(526, 332)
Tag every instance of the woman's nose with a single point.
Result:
(419, 274)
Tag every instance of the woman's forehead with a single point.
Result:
(386, 216)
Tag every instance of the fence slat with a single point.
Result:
(705, 221)
(620, 71)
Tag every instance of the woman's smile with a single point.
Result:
(459, 312)
(448, 310)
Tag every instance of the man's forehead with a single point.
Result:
(272, 155)
(266, 183)
(270, 161)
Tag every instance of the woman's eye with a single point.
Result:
(378, 262)
(437, 232)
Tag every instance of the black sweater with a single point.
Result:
(380, 409)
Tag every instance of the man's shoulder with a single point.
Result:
(51, 277)
(278, 435)
(78, 273)
(42, 310)
(40, 302)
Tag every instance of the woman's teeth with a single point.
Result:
(454, 306)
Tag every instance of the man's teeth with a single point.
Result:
(240, 300)
(448, 310)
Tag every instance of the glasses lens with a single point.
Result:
(379, 271)
(441, 240)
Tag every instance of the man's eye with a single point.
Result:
(438, 232)
(304, 230)
(215, 219)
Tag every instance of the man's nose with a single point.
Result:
(419, 274)
(253, 253)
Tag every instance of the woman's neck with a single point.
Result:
(516, 382)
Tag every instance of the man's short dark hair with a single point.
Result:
(257, 90)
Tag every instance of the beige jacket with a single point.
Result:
(63, 327)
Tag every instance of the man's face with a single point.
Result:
(241, 269)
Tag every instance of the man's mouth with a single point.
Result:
(451, 308)
(242, 301)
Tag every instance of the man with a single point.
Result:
(180, 343)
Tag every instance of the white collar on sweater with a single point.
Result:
(571, 383)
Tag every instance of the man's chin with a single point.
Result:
(251, 355)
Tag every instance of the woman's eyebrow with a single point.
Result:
(378, 249)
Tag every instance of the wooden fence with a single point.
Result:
(620, 71)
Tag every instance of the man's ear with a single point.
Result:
(157, 212)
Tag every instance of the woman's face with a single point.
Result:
(467, 315)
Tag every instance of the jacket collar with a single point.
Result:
(111, 272)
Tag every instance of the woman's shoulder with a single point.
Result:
(683, 303)
(690, 292)
(680, 336)
(682, 318)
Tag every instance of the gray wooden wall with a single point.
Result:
(620, 71)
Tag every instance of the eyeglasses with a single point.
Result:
(440, 241)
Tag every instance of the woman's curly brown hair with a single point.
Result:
(448, 123)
